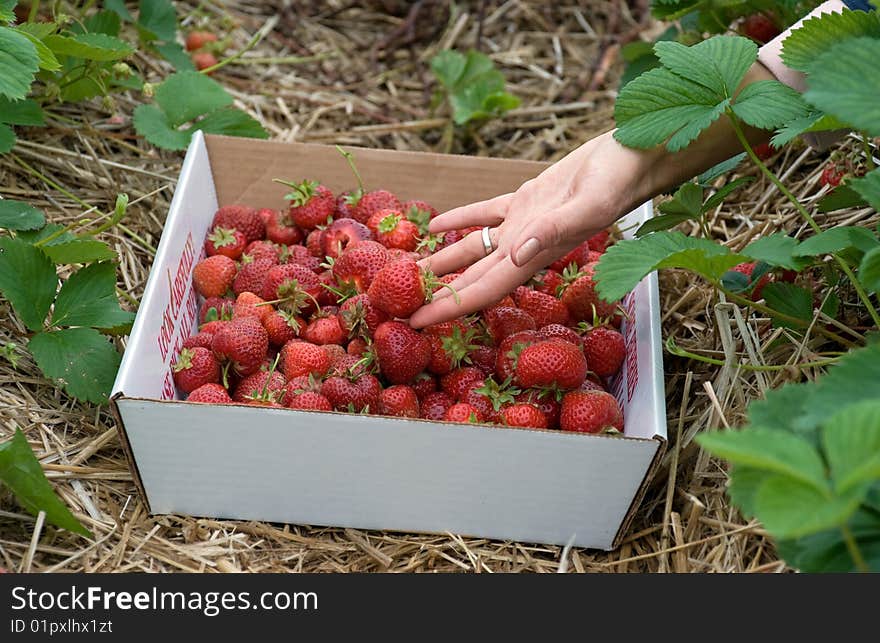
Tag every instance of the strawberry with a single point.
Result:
(240, 217)
(580, 296)
(301, 256)
(342, 233)
(402, 352)
(757, 288)
(203, 60)
(502, 321)
(247, 304)
(225, 241)
(392, 230)
(831, 176)
(371, 202)
(454, 384)
(353, 366)
(262, 386)
(551, 363)
(308, 401)
(399, 254)
(544, 309)
(524, 415)
(301, 358)
(213, 276)
(581, 255)
(197, 39)
(605, 351)
(423, 384)
(399, 401)
(280, 227)
(510, 348)
(335, 352)
(450, 346)
(294, 287)
(357, 347)
(282, 327)
(764, 151)
(599, 242)
(214, 308)
(760, 28)
(562, 332)
(401, 288)
(202, 339)
(313, 243)
(590, 412)
(549, 282)
(488, 397)
(544, 401)
(345, 204)
(327, 294)
(484, 358)
(434, 405)
(359, 317)
(419, 213)
(261, 249)
(462, 413)
(300, 384)
(213, 327)
(251, 276)
(195, 367)
(357, 396)
(242, 343)
(324, 330)
(210, 394)
(311, 204)
(358, 266)
(590, 385)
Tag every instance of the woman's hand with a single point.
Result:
(544, 219)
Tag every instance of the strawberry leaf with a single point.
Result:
(852, 442)
(16, 215)
(868, 187)
(90, 46)
(176, 55)
(88, 298)
(818, 35)
(843, 196)
(663, 222)
(6, 13)
(27, 280)
(80, 360)
(790, 300)
(22, 473)
(837, 240)
(7, 138)
(187, 95)
(474, 88)
(21, 112)
(118, 7)
(157, 20)
(231, 122)
(718, 64)
(869, 270)
(687, 200)
(79, 251)
(828, 552)
(768, 104)
(790, 509)
(777, 249)
(18, 63)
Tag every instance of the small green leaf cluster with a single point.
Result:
(472, 86)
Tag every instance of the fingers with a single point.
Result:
(461, 253)
(482, 213)
(547, 231)
(470, 275)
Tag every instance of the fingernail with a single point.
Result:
(527, 252)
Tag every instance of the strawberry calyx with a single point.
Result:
(430, 242)
(498, 394)
(184, 360)
(222, 237)
(458, 346)
(420, 217)
(430, 283)
(389, 223)
(300, 193)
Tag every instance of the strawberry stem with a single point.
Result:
(350, 158)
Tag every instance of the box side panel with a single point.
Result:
(639, 387)
(342, 470)
(244, 169)
(169, 306)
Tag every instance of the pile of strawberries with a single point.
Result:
(303, 309)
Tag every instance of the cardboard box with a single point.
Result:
(369, 472)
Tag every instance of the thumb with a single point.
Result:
(554, 229)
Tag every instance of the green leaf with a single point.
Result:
(35, 236)
(118, 7)
(767, 449)
(831, 305)
(687, 200)
(724, 191)
(790, 300)
(82, 89)
(852, 443)
(88, 298)
(79, 251)
(768, 104)
(719, 63)
(18, 63)
(776, 249)
(625, 263)
(869, 270)
(151, 123)
(827, 552)
(106, 22)
(158, 19)
(837, 239)
(743, 486)
(81, 360)
(90, 46)
(662, 222)
(38, 30)
(868, 187)
(7, 138)
(780, 407)
(175, 54)
(231, 122)
(17, 215)
(21, 112)
(791, 130)
(818, 35)
(187, 95)
(791, 509)
(839, 198)
(706, 178)
(27, 280)
(6, 10)
(843, 81)
(21, 472)
(45, 58)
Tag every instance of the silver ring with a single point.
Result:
(487, 240)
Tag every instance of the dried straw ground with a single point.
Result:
(357, 73)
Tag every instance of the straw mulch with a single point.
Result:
(356, 73)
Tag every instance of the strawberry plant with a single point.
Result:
(807, 463)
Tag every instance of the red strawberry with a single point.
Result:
(359, 264)
(301, 358)
(308, 401)
(311, 204)
(202, 339)
(335, 352)
(747, 269)
(214, 308)
(213, 276)
(225, 241)
(450, 346)
(300, 384)
(345, 204)
(398, 254)
(357, 347)
(551, 363)
(352, 366)
(590, 412)
(195, 367)
(252, 276)
(324, 330)
(605, 351)
(210, 394)
(242, 343)
(401, 288)
(562, 332)
(371, 202)
(327, 296)
(213, 326)
(524, 415)
(358, 396)
(544, 401)
(549, 282)
(359, 317)
(488, 397)
(296, 286)
(262, 386)
(280, 227)
(282, 327)
(580, 256)
(197, 39)
(831, 176)
(510, 347)
(454, 384)
(392, 230)
(243, 218)
(462, 413)
(247, 304)
(402, 352)
(399, 401)
(590, 385)
(434, 405)
(484, 358)
(203, 60)
(764, 151)
(313, 243)
(599, 242)
(261, 249)
(581, 298)
(544, 309)
(502, 321)
(342, 233)
(423, 384)
(301, 256)
(760, 28)
(419, 213)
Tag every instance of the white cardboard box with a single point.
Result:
(370, 472)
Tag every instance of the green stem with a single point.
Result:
(853, 548)
(866, 300)
(350, 158)
(674, 349)
(250, 45)
(35, 9)
(284, 60)
(869, 156)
